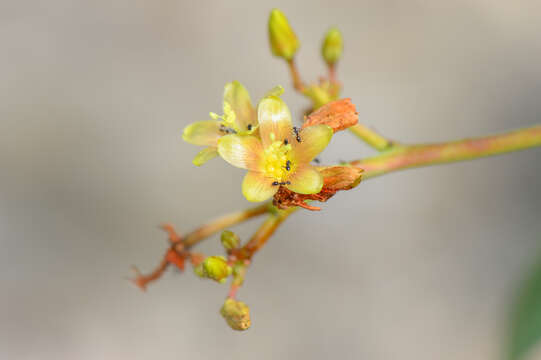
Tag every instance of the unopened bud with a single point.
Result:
(230, 240)
(198, 270)
(283, 41)
(216, 268)
(236, 314)
(332, 47)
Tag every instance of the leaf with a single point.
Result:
(526, 317)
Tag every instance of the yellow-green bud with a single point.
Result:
(236, 314)
(332, 47)
(198, 270)
(216, 268)
(230, 240)
(283, 41)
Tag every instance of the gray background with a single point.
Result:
(421, 264)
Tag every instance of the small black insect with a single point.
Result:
(249, 127)
(288, 165)
(276, 183)
(227, 130)
(317, 161)
(297, 136)
(286, 142)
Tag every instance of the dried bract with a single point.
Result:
(339, 115)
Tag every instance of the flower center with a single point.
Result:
(228, 121)
(277, 163)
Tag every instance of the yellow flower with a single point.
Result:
(239, 118)
(280, 157)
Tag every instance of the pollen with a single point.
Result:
(277, 160)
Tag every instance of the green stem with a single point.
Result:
(409, 156)
(371, 137)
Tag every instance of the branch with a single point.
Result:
(178, 250)
(223, 222)
(265, 231)
(409, 156)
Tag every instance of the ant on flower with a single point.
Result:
(276, 183)
(288, 165)
(296, 131)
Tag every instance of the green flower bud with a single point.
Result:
(236, 314)
(216, 268)
(283, 41)
(230, 240)
(198, 270)
(332, 47)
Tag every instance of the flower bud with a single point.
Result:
(332, 47)
(236, 314)
(198, 270)
(283, 41)
(230, 240)
(216, 268)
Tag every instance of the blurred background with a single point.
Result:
(421, 264)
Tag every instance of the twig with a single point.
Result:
(404, 157)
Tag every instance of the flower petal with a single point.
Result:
(241, 151)
(205, 155)
(239, 99)
(202, 133)
(305, 180)
(256, 187)
(274, 118)
(314, 139)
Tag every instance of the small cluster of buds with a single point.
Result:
(284, 44)
(219, 269)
